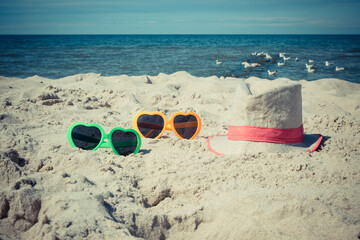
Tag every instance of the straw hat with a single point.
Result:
(266, 117)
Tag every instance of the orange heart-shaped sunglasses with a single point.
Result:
(154, 124)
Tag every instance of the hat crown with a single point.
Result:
(270, 104)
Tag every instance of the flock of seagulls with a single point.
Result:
(309, 67)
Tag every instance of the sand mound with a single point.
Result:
(172, 189)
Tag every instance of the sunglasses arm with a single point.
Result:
(186, 125)
(128, 143)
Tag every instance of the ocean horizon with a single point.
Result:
(60, 55)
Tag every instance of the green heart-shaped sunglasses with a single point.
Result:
(92, 136)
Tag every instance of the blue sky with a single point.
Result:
(179, 17)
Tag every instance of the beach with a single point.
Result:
(173, 188)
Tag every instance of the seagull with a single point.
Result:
(311, 70)
(254, 53)
(339, 69)
(327, 63)
(311, 60)
(260, 54)
(272, 73)
(296, 59)
(218, 63)
(281, 64)
(246, 64)
(282, 54)
(255, 64)
(309, 66)
(267, 56)
(286, 58)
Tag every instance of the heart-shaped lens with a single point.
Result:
(124, 142)
(86, 137)
(186, 125)
(150, 126)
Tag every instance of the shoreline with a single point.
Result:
(2, 77)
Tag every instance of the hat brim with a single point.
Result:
(221, 145)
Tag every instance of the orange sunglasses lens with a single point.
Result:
(150, 126)
(186, 125)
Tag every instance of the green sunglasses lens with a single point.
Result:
(86, 137)
(124, 142)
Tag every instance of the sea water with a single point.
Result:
(56, 56)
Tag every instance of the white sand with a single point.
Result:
(172, 189)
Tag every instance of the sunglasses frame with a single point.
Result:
(104, 135)
(168, 124)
